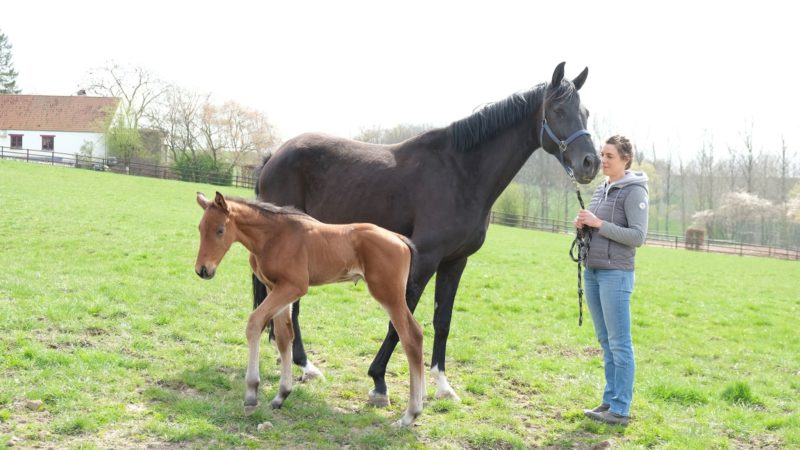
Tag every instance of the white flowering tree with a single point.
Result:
(742, 214)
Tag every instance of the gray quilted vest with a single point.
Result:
(605, 253)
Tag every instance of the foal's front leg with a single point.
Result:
(277, 300)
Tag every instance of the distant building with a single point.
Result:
(63, 125)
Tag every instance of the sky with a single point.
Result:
(671, 75)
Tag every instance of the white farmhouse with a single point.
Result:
(59, 126)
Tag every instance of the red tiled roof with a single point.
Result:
(55, 113)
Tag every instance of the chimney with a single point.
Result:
(82, 92)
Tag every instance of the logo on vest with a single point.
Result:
(642, 205)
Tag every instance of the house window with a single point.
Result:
(16, 141)
(48, 142)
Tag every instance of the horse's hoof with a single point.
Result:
(250, 409)
(448, 394)
(401, 424)
(310, 372)
(276, 404)
(378, 400)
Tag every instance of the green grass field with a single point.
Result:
(103, 320)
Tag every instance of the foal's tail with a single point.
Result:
(410, 284)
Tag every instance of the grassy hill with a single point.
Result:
(103, 320)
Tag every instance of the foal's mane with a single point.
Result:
(268, 209)
(495, 117)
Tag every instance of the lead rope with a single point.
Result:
(581, 243)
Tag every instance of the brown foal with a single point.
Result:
(290, 251)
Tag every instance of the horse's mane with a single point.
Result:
(494, 117)
(269, 209)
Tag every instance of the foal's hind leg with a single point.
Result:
(392, 298)
(410, 333)
(282, 326)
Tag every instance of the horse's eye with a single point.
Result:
(220, 231)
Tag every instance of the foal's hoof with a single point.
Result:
(250, 409)
(276, 404)
(378, 400)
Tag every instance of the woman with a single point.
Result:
(617, 221)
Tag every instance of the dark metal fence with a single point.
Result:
(656, 239)
(114, 165)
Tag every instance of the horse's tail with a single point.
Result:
(410, 284)
(257, 171)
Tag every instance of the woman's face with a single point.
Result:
(613, 165)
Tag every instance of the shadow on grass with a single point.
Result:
(203, 406)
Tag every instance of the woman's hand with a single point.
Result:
(587, 218)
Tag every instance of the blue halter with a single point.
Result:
(562, 145)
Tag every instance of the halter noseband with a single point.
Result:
(562, 144)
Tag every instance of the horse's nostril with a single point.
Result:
(589, 161)
(203, 272)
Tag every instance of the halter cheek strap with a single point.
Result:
(562, 144)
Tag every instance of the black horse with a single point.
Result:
(436, 188)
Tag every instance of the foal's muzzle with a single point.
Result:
(204, 273)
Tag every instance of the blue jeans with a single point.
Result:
(608, 294)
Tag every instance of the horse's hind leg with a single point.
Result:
(283, 338)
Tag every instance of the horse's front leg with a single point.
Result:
(310, 371)
(277, 300)
(447, 278)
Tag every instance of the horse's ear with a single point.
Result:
(219, 200)
(580, 79)
(202, 200)
(558, 75)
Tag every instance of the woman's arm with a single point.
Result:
(636, 210)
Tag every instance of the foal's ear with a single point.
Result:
(219, 200)
(202, 200)
(580, 79)
(558, 75)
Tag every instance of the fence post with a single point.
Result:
(27, 155)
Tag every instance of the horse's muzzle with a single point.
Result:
(588, 169)
(204, 273)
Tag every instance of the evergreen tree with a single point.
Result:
(8, 76)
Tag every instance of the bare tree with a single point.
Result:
(176, 116)
(748, 159)
(246, 133)
(683, 192)
(732, 162)
(668, 192)
(136, 87)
